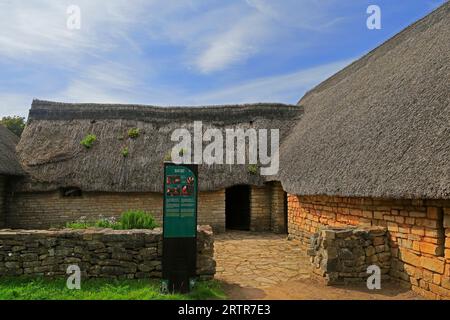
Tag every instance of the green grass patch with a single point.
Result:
(101, 289)
(88, 141)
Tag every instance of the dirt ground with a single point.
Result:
(268, 266)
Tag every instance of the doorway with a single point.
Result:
(237, 208)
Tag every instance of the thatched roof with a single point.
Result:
(51, 153)
(9, 164)
(380, 127)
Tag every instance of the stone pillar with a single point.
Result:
(342, 256)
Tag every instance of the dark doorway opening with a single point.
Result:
(237, 208)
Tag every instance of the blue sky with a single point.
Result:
(184, 52)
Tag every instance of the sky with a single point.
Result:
(184, 52)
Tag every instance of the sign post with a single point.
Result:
(179, 226)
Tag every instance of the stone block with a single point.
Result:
(433, 264)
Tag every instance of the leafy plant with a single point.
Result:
(168, 156)
(125, 152)
(15, 123)
(88, 141)
(252, 169)
(134, 133)
(136, 219)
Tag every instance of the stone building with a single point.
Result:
(373, 149)
(9, 168)
(66, 181)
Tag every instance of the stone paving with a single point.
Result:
(258, 260)
(268, 266)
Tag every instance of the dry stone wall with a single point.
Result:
(343, 255)
(102, 253)
(418, 233)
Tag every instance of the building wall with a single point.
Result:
(278, 207)
(418, 231)
(260, 208)
(50, 209)
(267, 208)
(99, 254)
(2, 201)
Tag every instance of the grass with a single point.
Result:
(88, 141)
(100, 289)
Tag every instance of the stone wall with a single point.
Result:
(419, 233)
(2, 201)
(260, 208)
(99, 253)
(343, 255)
(278, 208)
(50, 209)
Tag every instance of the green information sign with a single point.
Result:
(180, 201)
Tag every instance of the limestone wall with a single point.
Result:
(343, 255)
(50, 209)
(418, 231)
(99, 253)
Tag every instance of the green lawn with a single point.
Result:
(100, 289)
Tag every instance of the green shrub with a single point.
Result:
(253, 169)
(125, 152)
(134, 133)
(88, 141)
(136, 219)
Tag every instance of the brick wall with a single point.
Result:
(418, 230)
(2, 201)
(50, 209)
(98, 253)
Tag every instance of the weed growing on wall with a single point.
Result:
(134, 133)
(88, 141)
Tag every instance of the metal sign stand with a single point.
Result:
(179, 227)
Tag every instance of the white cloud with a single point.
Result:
(279, 88)
(243, 40)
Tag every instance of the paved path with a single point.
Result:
(258, 260)
(268, 266)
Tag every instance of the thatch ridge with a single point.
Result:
(47, 110)
(379, 127)
(9, 164)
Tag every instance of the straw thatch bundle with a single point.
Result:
(9, 164)
(51, 153)
(380, 127)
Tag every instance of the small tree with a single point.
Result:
(15, 123)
